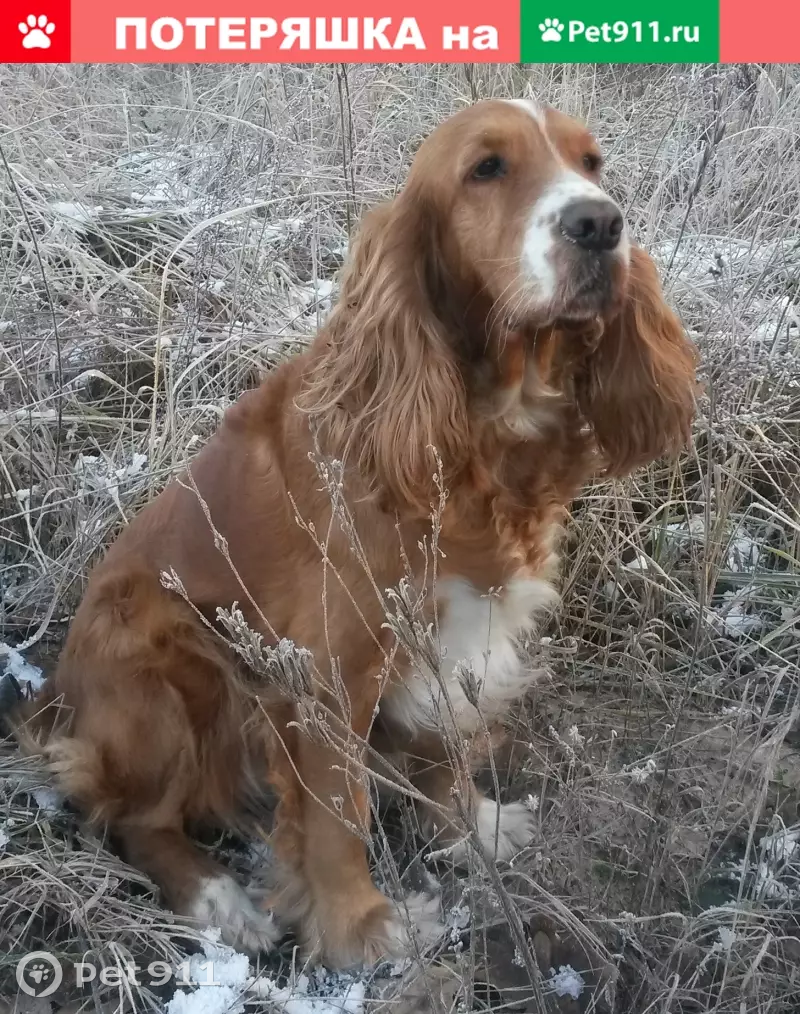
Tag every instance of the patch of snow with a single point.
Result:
(98, 475)
(225, 980)
(48, 799)
(15, 665)
(781, 846)
(315, 295)
(24, 495)
(157, 180)
(566, 982)
(5, 837)
(768, 886)
(727, 938)
(229, 967)
(775, 875)
(79, 212)
(742, 551)
(207, 1000)
(298, 999)
(777, 334)
(324, 289)
(72, 220)
(340, 248)
(736, 619)
(638, 563)
(278, 231)
(432, 884)
(703, 259)
(222, 975)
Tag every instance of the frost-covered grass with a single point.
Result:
(167, 235)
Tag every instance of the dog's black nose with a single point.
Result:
(592, 224)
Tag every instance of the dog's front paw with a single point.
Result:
(346, 935)
(416, 925)
(221, 902)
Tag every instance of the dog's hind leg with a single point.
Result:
(153, 740)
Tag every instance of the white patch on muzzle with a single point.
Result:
(543, 232)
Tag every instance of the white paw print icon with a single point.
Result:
(39, 974)
(36, 32)
(551, 29)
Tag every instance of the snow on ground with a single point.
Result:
(226, 979)
(279, 230)
(638, 563)
(566, 982)
(157, 179)
(736, 549)
(100, 479)
(774, 875)
(778, 867)
(742, 552)
(48, 799)
(99, 474)
(782, 845)
(15, 665)
(71, 217)
(737, 618)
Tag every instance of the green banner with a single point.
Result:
(619, 31)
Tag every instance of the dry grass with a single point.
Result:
(169, 233)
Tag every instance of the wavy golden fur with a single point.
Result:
(495, 317)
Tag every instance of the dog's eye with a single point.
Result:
(491, 168)
(591, 162)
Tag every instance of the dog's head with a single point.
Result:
(502, 228)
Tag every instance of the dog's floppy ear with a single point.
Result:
(387, 388)
(637, 386)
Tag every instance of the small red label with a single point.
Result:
(35, 31)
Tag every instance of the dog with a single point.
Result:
(499, 339)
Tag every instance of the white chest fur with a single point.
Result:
(481, 633)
